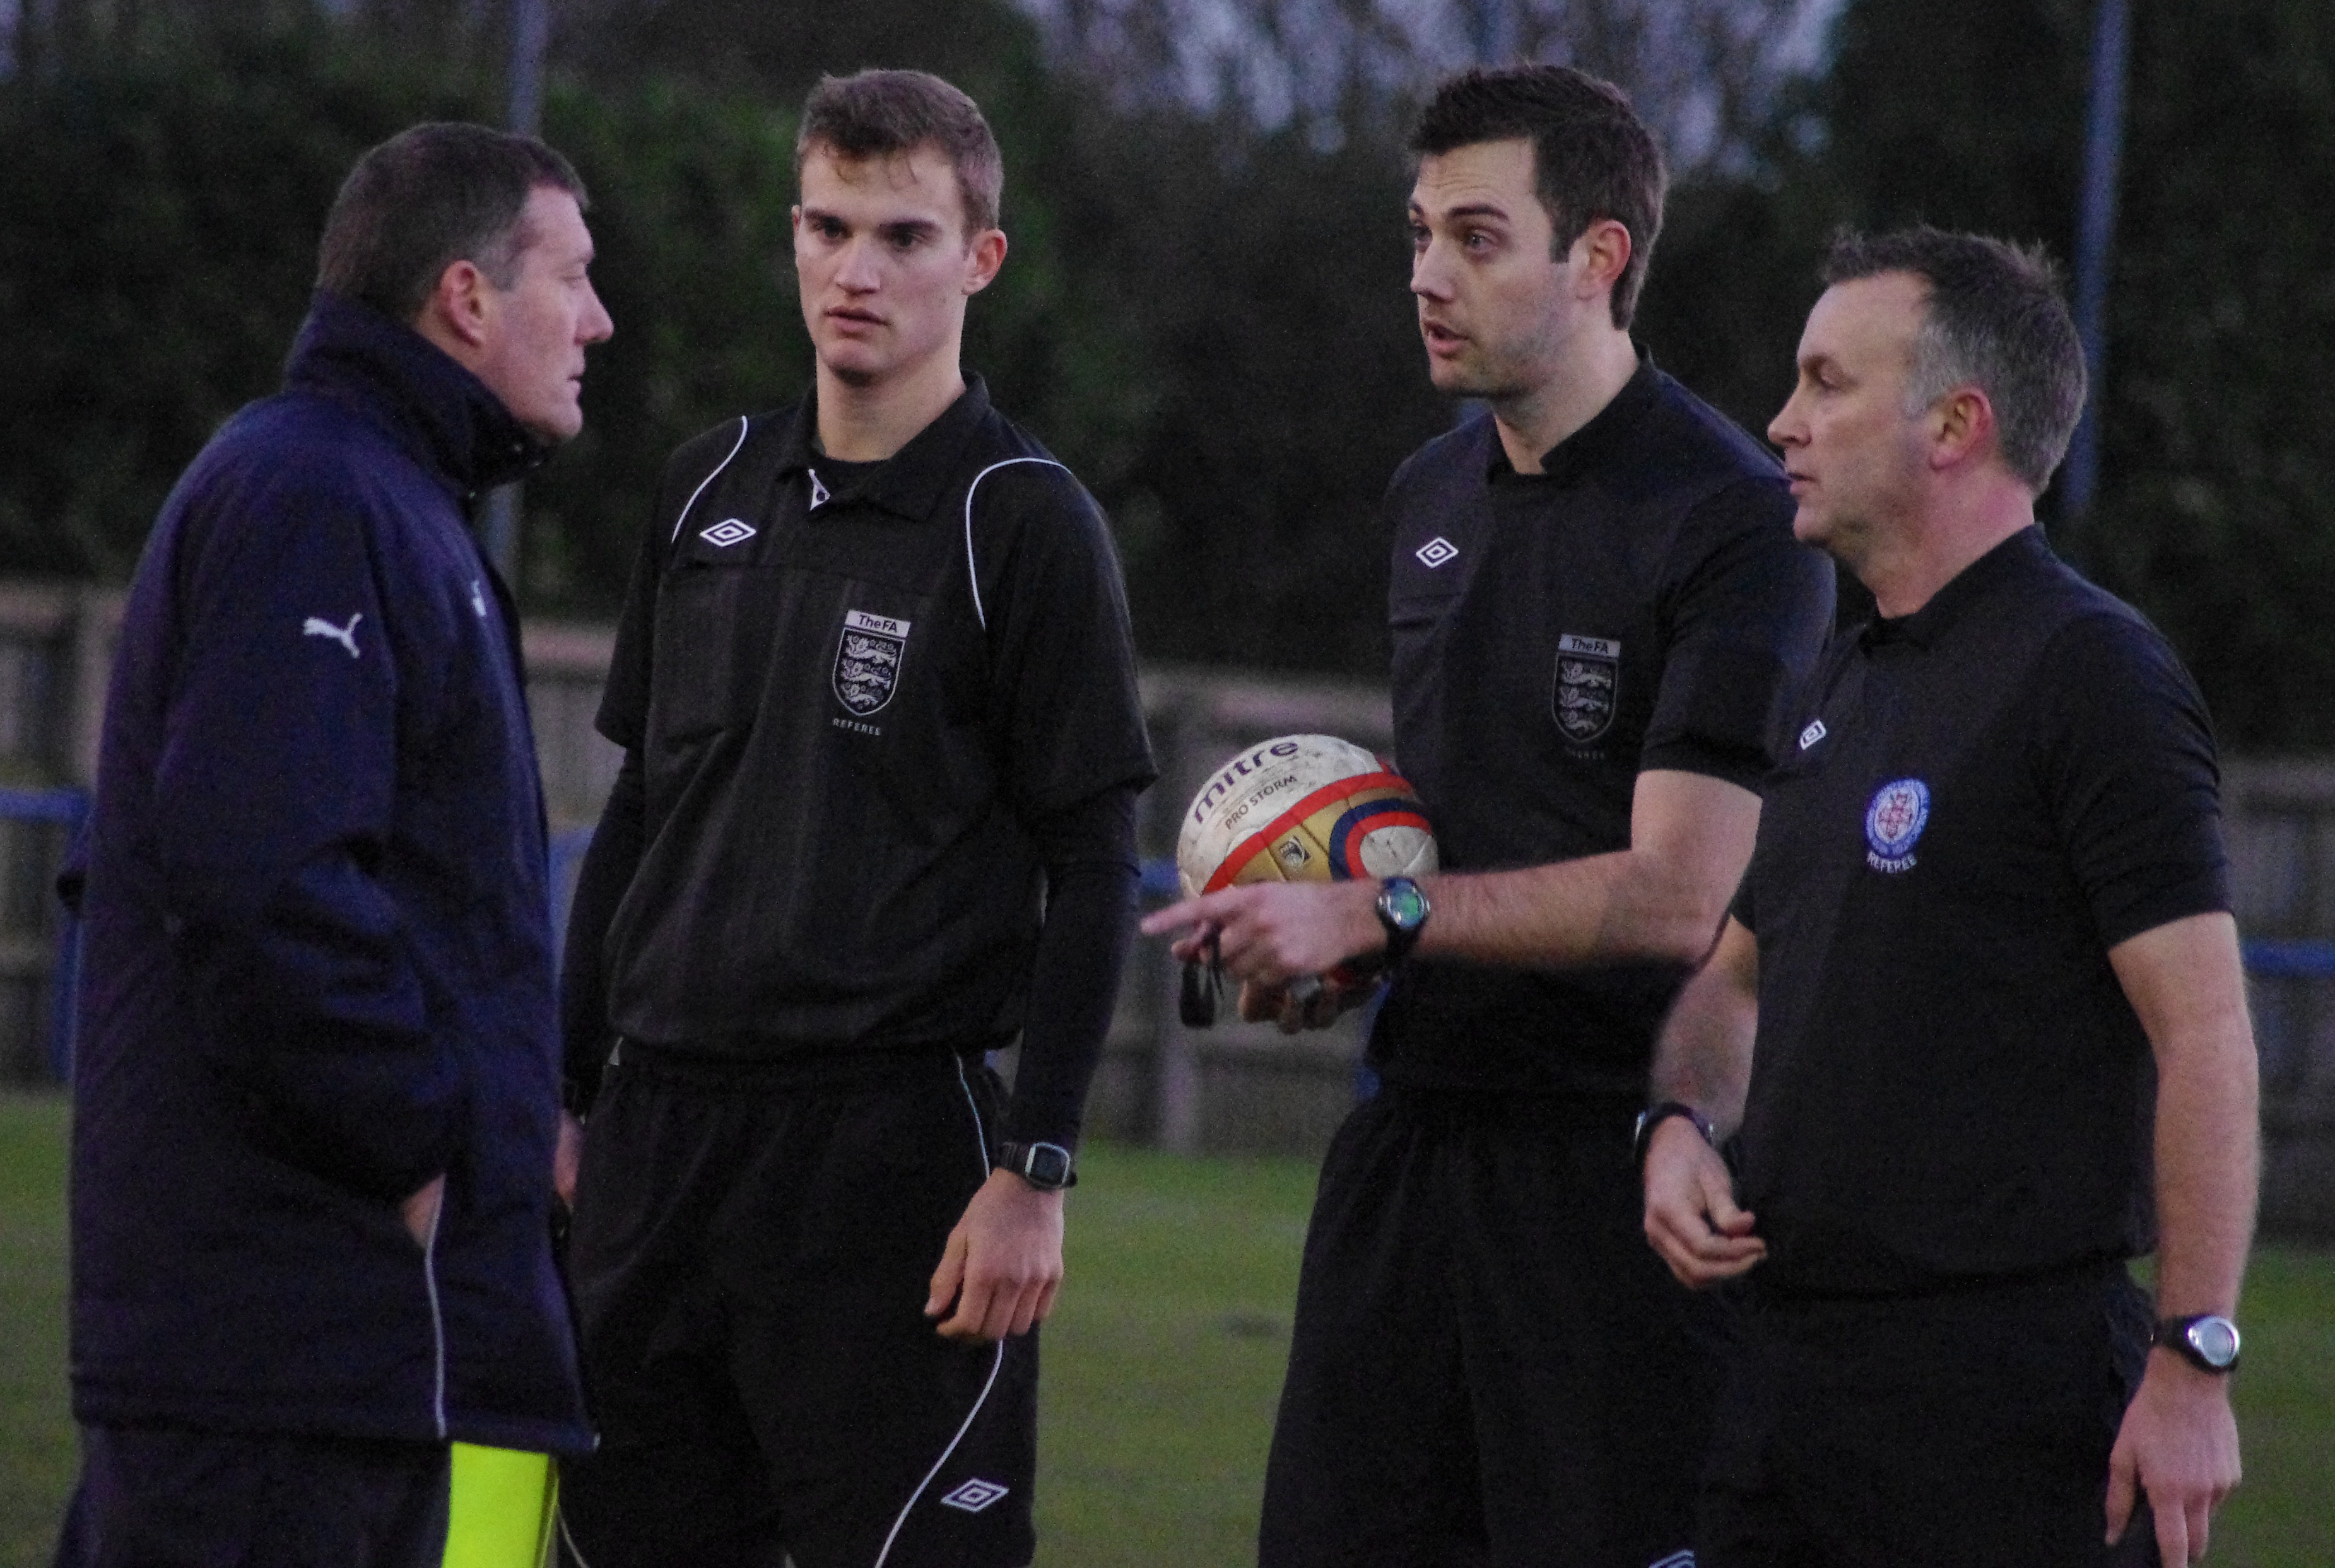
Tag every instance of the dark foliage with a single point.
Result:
(1208, 321)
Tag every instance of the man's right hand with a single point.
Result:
(1691, 1213)
(421, 1212)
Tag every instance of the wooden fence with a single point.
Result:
(1236, 1088)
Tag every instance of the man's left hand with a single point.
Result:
(1296, 1009)
(1271, 933)
(1002, 1264)
(2178, 1444)
(567, 1157)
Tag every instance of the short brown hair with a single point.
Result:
(435, 194)
(1995, 320)
(1593, 157)
(877, 113)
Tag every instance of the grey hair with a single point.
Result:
(1996, 320)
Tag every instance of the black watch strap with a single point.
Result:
(1653, 1115)
(1048, 1167)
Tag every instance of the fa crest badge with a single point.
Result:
(1895, 820)
(1588, 672)
(868, 661)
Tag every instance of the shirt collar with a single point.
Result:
(1923, 628)
(913, 480)
(1596, 441)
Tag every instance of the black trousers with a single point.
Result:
(1489, 1364)
(1945, 1431)
(174, 1497)
(750, 1255)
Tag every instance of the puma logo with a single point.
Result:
(346, 636)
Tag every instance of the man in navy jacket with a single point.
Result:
(316, 1091)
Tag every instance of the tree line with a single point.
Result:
(1205, 309)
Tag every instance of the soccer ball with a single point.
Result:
(1302, 809)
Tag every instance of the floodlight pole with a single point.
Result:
(2095, 240)
(530, 26)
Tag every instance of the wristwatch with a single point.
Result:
(1653, 1115)
(1402, 909)
(1048, 1167)
(2208, 1342)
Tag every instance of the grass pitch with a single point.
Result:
(1163, 1363)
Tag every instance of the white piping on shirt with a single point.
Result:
(971, 572)
(708, 479)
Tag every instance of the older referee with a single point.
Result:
(1988, 888)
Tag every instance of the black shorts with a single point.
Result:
(1489, 1364)
(1935, 1431)
(750, 1255)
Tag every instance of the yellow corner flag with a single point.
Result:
(501, 1510)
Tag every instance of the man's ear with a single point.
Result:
(458, 308)
(982, 257)
(1601, 254)
(1962, 427)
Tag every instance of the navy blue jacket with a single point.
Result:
(318, 969)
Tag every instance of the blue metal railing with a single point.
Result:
(66, 809)
(2289, 958)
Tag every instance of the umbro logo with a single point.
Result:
(1812, 734)
(1436, 552)
(974, 1495)
(817, 491)
(727, 532)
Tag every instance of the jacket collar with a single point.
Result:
(400, 380)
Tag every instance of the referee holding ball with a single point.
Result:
(1989, 890)
(1599, 618)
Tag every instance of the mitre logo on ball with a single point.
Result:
(1302, 808)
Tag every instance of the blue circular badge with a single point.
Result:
(1899, 812)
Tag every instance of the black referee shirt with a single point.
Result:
(852, 687)
(1985, 796)
(1640, 604)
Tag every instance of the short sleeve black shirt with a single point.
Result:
(852, 688)
(1984, 798)
(1641, 604)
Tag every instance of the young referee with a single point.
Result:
(875, 818)
(1985, 947)
(1599, 615)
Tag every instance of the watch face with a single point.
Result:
(1049, 1165)
(2216, 1338)
(1404, 903)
